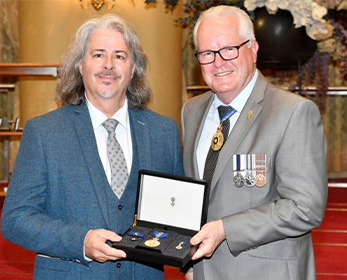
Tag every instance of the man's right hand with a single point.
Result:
(97, 249)
(189, 276)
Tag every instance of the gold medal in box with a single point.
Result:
(180, 245)
(154, 242)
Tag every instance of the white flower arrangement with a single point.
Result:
(324, 21)
(305, 13)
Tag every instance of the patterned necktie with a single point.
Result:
(212, 156)
(119, 171)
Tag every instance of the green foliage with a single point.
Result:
(194, 8)
(169, 4)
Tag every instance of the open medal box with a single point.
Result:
(170, 210)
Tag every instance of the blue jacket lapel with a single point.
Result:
(141, 137)
(84, 129)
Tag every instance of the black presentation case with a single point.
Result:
(170, 210)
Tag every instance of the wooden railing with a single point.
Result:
(28, 69)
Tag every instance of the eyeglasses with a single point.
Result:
(226, 53)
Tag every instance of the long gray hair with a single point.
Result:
(70, 88)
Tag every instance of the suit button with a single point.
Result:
(120, 207)
(119, 265)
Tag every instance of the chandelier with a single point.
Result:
(97, 4)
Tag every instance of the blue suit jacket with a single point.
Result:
(59, 191)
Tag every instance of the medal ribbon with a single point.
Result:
(139, 234)
(260, 162)
(160, 235)
(180, 245)
(227, 116)
(238, 162)
(249, 162)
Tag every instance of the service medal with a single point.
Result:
(260, 180)
(218, 138)
(238, 180)
(260, 177)
(217, 141)
(249, 180)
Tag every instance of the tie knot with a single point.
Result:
(110, 125)
(223, 110)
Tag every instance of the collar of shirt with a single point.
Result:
(99, 117)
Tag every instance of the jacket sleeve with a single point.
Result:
(26, 217)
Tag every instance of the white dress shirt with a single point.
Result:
(212, 122)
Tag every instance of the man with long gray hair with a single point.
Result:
(73, 189)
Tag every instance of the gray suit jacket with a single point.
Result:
(59, 191)
(267, 229)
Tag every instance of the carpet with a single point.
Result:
(330, 239)
(15, 261)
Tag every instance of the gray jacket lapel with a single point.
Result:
(247, 117)
(196, 122)
(85, 133)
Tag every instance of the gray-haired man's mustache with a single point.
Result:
(108, 74)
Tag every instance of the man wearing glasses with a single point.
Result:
(262, 150)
